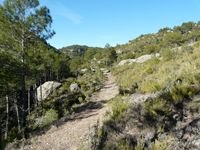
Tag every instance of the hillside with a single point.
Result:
(157, 107)
(141, 95)
(74, 50)
(77, 50)
(161, 93)
(185, 34)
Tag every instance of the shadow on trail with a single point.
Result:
(83, 116)
(90, 106)
(82, 112)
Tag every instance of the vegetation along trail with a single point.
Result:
(75, 133)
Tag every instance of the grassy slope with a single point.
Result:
(175, 75)
(158, 74)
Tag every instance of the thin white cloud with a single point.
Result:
(71, 16)
(67, 13)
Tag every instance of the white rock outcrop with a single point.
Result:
(46, 89)
(138, 98)
(74, 87)
(140, 59)
(84, 70)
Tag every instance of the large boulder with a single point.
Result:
(46, 89)
(140, 59)
(127, 61)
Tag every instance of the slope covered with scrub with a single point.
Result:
(159, 104)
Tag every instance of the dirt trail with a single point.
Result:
(74, 134)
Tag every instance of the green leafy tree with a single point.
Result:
(23, 23)
(107, 45)
(75, 64)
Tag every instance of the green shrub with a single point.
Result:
(168, 54)
(151, 49)
(194, 105)
(13, 134)
(41, 118)
(64, 87)
(123, 144)
(150, 86)
(91, 82)
(159, 145)
(180, 91)
(128, 55)
(157, 107)
(139, 146)
(99, 140)
(119, 106)
(118, 144)
(187, 48)
(156, 75)
(50, 116)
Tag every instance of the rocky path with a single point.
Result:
(74, 134)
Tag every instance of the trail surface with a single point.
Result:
(73, 134)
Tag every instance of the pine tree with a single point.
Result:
(23, 23)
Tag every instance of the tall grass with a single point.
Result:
(158, 74)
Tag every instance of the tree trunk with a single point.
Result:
(7, 117)
(17, 113)
(57, 76)
(41, 92)
(50, 76)
(35, 95)
(29, 97)
(45, 76)
(1, 140)
(23, 82)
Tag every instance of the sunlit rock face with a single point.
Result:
(46, 89)
(140, 59)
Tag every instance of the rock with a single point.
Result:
(196, 143)
(177, 117)
(189, 133)
(46, 89)
(143, 58)
(141, 135)
(127, 61)
(141, 98)
(148, 136)
(119, 51)
(140, 59)
(157, 55)
(179, 134)
(103, 69)
(74, 87)
(84, 70)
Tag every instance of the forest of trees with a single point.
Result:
(26, 62)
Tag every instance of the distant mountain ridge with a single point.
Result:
(75, 50)
(184, 34)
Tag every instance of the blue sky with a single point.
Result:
(97, 22)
